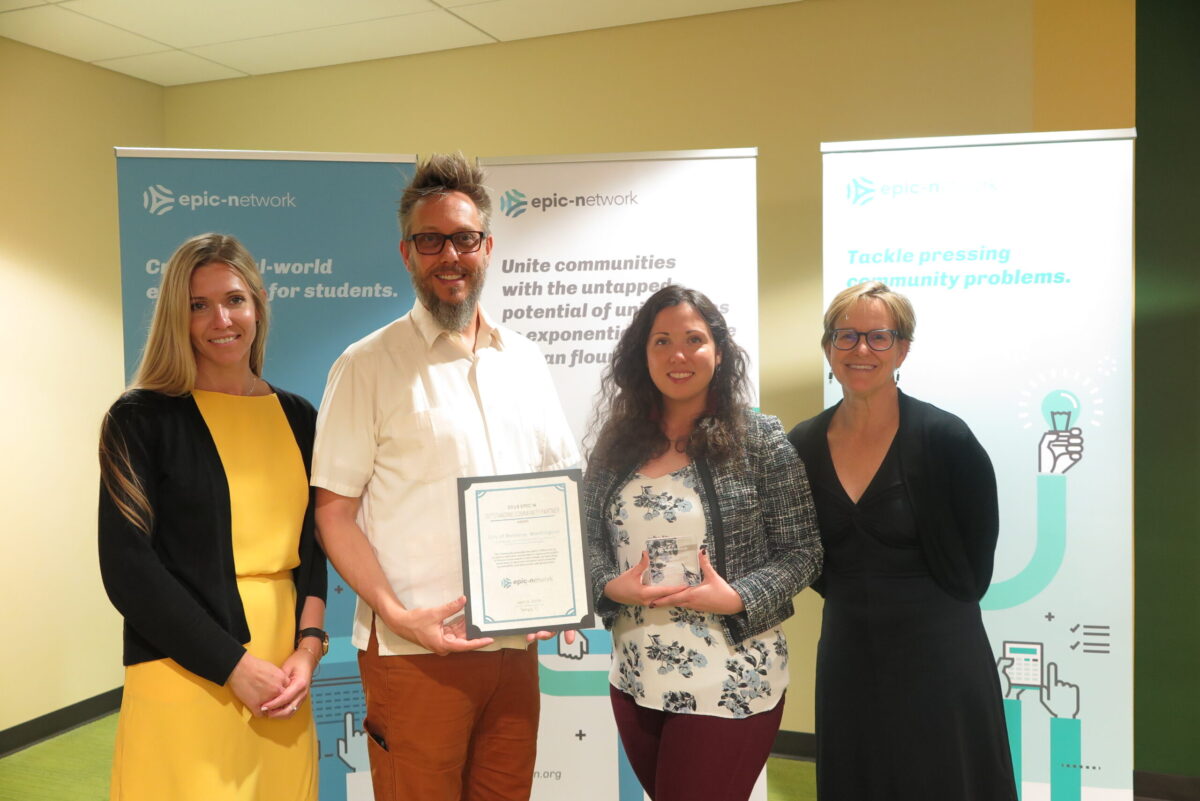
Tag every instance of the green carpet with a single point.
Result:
(791, 780)
(74, 767)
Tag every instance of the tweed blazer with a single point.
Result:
(760, 528)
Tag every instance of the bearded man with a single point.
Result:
(440, 393)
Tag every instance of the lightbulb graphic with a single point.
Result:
(1059, 407)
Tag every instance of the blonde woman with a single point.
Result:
(207, 548)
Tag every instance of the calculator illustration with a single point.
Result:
(1026, 670)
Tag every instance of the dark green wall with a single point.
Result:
(1167, 386)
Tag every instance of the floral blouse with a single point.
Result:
(674, 659)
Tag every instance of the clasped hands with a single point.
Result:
(271, 691)
(712, 594)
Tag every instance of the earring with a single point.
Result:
(897, 376)
(830, 377)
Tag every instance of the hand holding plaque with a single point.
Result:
(524, 561)
(674, 562)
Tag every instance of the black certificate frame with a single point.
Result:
(482, 577)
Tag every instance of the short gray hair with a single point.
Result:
(899, 306)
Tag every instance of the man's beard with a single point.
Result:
(449, 315)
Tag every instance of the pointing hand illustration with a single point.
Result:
(1060, 698)
(352, 749)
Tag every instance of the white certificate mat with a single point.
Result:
(524, 559)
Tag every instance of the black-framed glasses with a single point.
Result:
(878, 339)
(431, 244)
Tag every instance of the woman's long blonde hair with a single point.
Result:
(168, 364)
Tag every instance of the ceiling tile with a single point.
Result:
(521, 19)
(171, 68)
(458, 3)
(395, 36)
(280, 35)
(59, 31)
(191, 24)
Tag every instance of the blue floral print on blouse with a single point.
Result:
(677, 659)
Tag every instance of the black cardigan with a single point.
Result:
(176, 587)
(951, 486)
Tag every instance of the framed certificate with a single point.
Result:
(523, 553)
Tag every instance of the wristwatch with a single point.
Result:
(321, 634)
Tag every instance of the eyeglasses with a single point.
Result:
(431, 244)
(879, 339)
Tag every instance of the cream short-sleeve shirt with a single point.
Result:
(407, 410)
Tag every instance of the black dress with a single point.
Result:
(908, 700)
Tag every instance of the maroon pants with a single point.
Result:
(682, 757)
(444, 728)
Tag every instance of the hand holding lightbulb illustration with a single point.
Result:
(1060, 448)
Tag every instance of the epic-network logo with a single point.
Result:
(860, 191)
(513, 203)
(157, 199)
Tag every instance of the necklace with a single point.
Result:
(212, 386)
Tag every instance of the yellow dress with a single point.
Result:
(181, 737)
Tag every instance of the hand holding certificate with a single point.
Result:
(524, 567)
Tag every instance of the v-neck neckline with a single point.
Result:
(837, 480)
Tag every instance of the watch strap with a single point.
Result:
(320, 634)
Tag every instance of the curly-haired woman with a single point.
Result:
(682, 465)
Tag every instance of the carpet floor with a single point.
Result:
(74, 766)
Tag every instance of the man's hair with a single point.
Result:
(440, 174)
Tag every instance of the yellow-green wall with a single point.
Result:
(60, 302)
(782, 79)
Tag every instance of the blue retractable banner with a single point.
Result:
(323, 229)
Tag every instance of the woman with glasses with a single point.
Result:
(908, 698)
(700, 530)
(207, 548)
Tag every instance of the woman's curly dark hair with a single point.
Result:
(626, 424)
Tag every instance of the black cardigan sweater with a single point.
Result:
(176, 587)
(951, 486)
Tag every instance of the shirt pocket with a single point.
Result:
(426, 445)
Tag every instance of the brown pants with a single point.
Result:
(445, 728)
